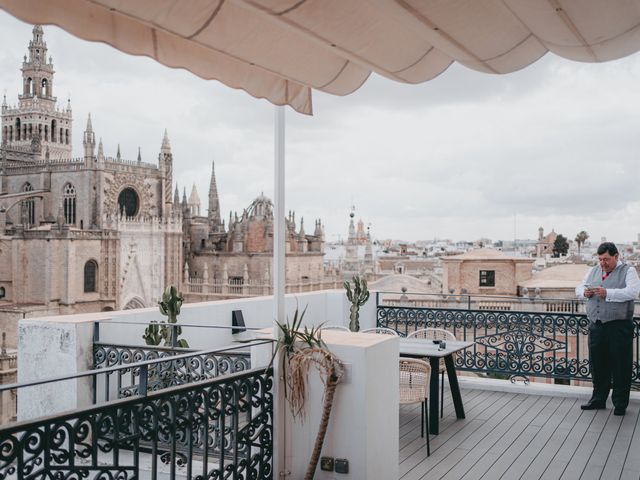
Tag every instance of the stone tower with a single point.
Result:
(37, 125)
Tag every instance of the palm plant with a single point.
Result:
(298, 350)
(581, 238)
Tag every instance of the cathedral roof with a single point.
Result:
(262, 206)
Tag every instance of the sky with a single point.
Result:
(465, 156)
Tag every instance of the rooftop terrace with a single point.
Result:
(523, 432)
(511, 430)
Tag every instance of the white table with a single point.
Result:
(425, 348)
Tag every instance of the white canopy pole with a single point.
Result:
(281, 446)
(278, 222)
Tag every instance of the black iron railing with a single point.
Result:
(188, 366)
(510, 343)
(216, 428)
(115, 379)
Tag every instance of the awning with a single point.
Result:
(281, 49)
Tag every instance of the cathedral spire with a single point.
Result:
(194, 201)
(89, 125)
(166, 145)
(89, 140)
(215, 220)
(100, 151)
(176, 196)
(165, 164)
(118, 156)
(139, 155)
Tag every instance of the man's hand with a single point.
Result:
(588, 292)
(599, 292)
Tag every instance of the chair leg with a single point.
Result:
(426, 423)
(442, 395)
(422, 420)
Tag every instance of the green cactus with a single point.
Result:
(152, 335)
(170, 307)
(358, 296)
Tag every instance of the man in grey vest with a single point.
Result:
(610, 288)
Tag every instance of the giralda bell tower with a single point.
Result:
(37, 124)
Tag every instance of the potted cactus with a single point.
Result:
(358, 296)
(157, 332)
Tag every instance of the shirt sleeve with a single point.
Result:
(580, 288)
(630, 292)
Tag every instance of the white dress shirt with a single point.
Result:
(630, 292)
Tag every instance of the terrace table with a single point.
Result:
(425, 348)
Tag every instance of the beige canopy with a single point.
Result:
(281, 49)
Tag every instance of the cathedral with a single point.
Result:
(99, 232)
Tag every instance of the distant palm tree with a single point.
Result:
(581, 238)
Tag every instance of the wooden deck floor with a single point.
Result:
(509, 435)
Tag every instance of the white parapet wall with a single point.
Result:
(51, 348)
(328, 306)
(62, 345)
(364, 422)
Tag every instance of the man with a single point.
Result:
(610, 288)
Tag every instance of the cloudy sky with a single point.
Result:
(465, 156)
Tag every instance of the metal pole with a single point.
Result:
(278, 223)
(281, 441)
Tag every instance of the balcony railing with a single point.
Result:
(178, 365)
(218, 419)
(508, 342)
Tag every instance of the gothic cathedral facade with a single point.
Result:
(100, 232)
(83, 234)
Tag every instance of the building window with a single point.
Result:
(28, 206)
(487, 278)
(128, 201)
(69, 204)
(3, 292)
(90, 273)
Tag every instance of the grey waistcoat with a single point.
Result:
(598, 308)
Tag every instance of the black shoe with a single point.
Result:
(619, 411)
(593, 405)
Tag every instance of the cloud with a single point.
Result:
(462, 156)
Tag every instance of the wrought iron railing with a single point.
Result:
(183, 369)
(511, 343)
(217, 428)
(485, 302)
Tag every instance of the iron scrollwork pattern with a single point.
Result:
(522, 344)
(173, 372)
(220, 428)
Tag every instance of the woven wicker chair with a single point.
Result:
(380, 331)
(414, 385)
(335, 327)
(436, 334)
